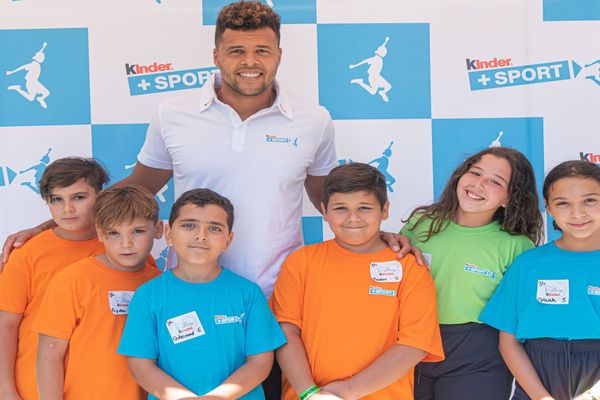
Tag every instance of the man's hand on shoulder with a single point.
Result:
(401, 245)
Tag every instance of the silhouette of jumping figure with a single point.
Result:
(592, 71)
(34, 90)
(377, 83)
(39, 171)
(382, 164)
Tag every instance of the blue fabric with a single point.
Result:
(522, 308)
(234, 315)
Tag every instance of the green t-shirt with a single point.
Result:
(467, 265)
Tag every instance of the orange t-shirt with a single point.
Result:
(87, 304)
(22, 286)
(352, 307)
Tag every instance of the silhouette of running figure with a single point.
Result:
(39, 171)
(376, 81)
(383, 163)
(270, 3)
(496, 142)
(34, 90)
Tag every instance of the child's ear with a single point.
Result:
(100, 234)
(168, 235)
(228, 241)
(324, 211)
(385, 210)
(158, 229)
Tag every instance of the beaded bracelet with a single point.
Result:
(309, 392)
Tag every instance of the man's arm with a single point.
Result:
(314, 189)
(520, 365)
(9, 329)
(294, 363)
(152, 179)
(385, 370)
(156, 381)
(50, 367)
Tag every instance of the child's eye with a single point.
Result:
(561, 203)
(54, 199)
(139, 231)
(188, 225)
(365, 208)
(112, 233)
(214, 228)
(339, 209)
(79, 197)
(495, 182)
(590, 201)
(474, 173)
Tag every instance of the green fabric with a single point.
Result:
(467, 265)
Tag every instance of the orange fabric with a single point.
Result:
(22, 286)
(82, 305)
(326, 291)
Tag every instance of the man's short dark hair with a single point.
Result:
(246, 16)
(201, 198)
(66, 171)
(354, 177)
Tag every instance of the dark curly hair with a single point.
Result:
(246, 16)
(520, 217)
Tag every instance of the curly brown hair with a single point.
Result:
(522, 214)
(246, 16)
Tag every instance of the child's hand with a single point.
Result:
(401, 245)
(341, 389)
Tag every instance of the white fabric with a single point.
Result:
(260, 164)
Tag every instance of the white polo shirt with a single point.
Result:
(259, 164)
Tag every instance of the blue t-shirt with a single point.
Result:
(200, 333)
(548, 293)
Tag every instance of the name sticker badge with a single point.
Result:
(185, 327)
(593, 290)
(553, 291)
(387, 271)
(118, 301)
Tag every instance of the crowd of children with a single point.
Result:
(347, 319)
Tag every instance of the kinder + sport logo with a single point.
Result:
(161, 77)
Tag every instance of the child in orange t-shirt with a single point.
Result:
(69, 187)
(357, 320)
(83, 312)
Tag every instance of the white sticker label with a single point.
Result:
(185, 327)
(118, 301)
(427, 257)
(553, 291)
(593, 290)
(387, 271)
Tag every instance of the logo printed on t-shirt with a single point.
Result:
(185, 327)
(474, 269)
(593, 290)
(553, 291)
(380, 291)
(386, 271)
(118, 301)
(226, 319)
(281, 139)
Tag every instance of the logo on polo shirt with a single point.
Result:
(162, 77)
(281, 139)
(474, 269)
(119, 300)
(185, 327)
(226, 319)
(553, 291)
(500, 72)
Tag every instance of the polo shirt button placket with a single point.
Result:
(238, 137)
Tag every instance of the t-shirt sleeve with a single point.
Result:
(140, 335)
(418, 322)
(501, 310)
(262, 330)
(325, 158)
(154, 152)
(288, 293)
(14, 284)
(59, 312)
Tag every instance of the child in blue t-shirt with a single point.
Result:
(199, 329)
(548, 305)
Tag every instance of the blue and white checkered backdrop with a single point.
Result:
(413, 86)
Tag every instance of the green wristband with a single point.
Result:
(307, 394)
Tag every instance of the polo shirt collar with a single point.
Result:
(208, 97)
